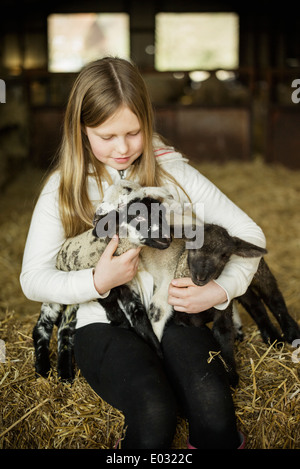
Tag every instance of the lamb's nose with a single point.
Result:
(200, 280)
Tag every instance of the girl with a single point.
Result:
(108, 135)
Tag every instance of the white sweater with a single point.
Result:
(42, 282)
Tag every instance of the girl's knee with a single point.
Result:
(153, 426)
(215, 437)
(216, 430)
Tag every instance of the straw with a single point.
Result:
(39, 413)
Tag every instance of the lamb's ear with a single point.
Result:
(97, 217)
(245, 249)
(103, 209)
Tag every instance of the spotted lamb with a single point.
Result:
(124, 307)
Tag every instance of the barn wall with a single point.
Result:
(259, 116)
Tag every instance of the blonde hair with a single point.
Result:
(98, 92)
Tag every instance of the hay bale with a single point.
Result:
(267, 399)
(40, 413)
(47, 414)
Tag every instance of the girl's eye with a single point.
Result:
(106, 138)
(133, 134)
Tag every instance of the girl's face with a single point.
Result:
(118, 142)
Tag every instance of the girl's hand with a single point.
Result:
(187, 297)
(111, 270)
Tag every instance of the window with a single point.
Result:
(196, 41)
(76, 39)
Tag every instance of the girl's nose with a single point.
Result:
(121, 145)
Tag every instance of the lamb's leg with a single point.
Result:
(223, 331)
(65, 344)
(255, 307)
(237, 323)
(277, 306)
(124, 309)
(113, 305)
(140, 321)
(272, 296)
(159, 310)
(159, 313)
(49, 316)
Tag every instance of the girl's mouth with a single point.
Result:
(122, 160)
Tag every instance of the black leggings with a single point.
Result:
(127, 374)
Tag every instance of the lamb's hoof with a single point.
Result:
(66, 374)
(42, 369)
(239, 335)
(292, 333)
(270, 336)
(67, 378)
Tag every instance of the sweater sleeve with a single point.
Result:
(40, 280)
(217, 208)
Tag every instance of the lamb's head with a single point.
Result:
(208, 262)
(135, 214)
(116, 196)
(146, 222)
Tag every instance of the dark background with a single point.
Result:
(262, 122)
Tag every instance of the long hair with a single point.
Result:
(98, 92)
